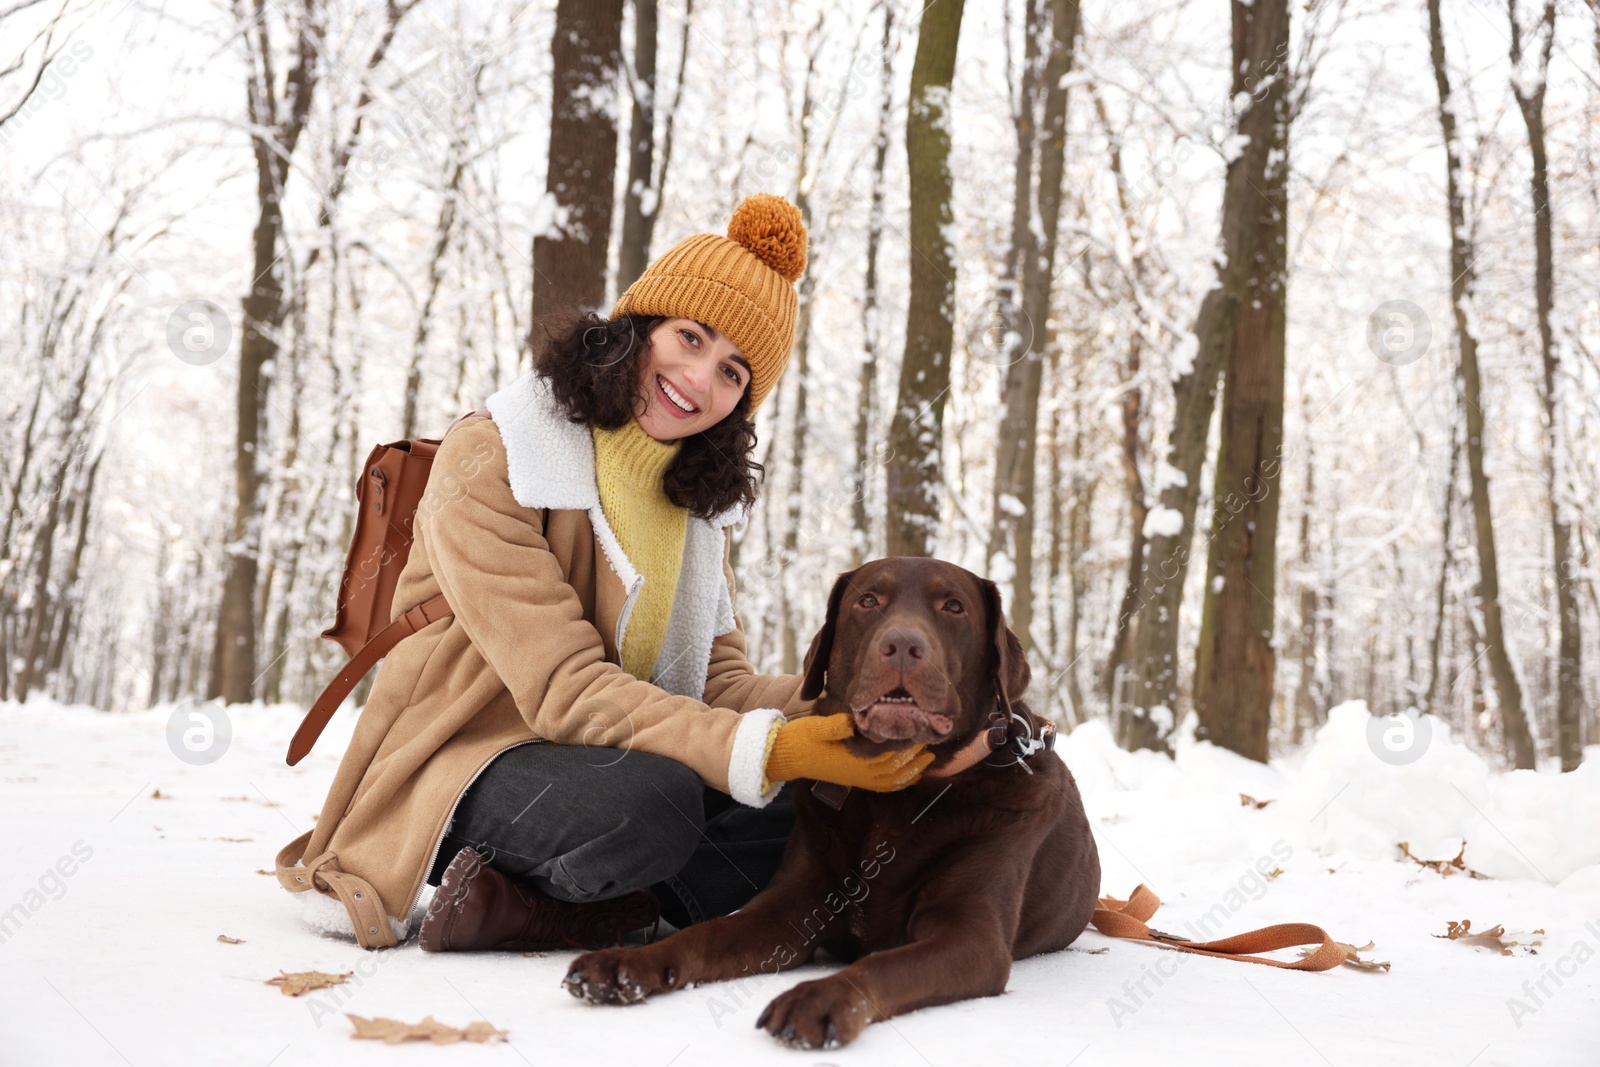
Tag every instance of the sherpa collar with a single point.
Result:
(550, 461)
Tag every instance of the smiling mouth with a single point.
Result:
(897, 715)
(675, 399)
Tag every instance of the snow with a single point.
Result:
(1234, 145)
(1188, 345)
(550, 217)
(1168, 476)
(1162, 521)
(1162, 717)
(123, 895)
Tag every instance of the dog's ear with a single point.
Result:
(1012, 673)
(816, 665)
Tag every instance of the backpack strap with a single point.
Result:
(367, 917)
(367, 657)
(316, 720)
(1126, 918)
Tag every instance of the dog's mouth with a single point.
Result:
(897, 716)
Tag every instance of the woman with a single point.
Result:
(580, 536)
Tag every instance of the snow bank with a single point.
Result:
(1520, 824)
(1341, 798)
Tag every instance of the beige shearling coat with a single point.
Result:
(511, 531)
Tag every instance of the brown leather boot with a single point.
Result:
(477, 907)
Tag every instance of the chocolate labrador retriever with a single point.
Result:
(929, 893)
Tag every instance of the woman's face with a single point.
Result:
(692, 378)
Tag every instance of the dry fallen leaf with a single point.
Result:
(226, 940)
(1492, 938)
(1277, 871)
(157, 796)
(1248, 801)
(1445, 867)
(263, 870)
(392, 1031)
(1352, 959)
(292, 985)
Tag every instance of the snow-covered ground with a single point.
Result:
(124, 863)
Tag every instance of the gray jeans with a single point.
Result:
(585, 824)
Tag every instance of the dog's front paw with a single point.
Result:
(619, 975)
(824, 1013)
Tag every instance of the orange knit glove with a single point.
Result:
(814, 747)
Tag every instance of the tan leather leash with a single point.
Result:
(1007, 731)
(1127, 919)
(997, 736)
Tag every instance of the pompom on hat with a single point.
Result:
(741, 285)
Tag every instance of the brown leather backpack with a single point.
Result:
(391, 486)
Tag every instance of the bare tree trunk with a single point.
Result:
(161, 637)
(1057, 558)
(1307, 702)
(74, 431)
(277, 118)
(1132, 403)
(800, 427)
(640, 199)
(10, 620)
(1014, 484)
(1513, 720)
(916, 434)
(71, 596)
(441, 245)
(871, 335)
(811, 164)
(1235, 665)
(1569, 654)
(1261, 35)
(1446, 561)
(569, 251)
(1079, 539)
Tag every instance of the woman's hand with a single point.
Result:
(814, 747)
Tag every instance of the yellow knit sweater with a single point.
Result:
(628, 465)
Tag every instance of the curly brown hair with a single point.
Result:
(594, 365)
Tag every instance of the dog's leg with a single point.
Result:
(961, 931)
(774, 932)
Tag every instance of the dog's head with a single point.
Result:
(917, 650)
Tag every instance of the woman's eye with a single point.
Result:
(733, 375)
(690, 336)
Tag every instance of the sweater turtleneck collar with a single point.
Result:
(633, 455)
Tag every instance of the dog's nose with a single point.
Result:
(904, 649)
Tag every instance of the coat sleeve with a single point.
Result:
(509, 593)
(732, 683)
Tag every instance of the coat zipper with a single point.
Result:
(437, 845)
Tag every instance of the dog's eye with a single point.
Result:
(954, 607)
(868, 601)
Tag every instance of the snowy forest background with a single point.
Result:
(1051, 412)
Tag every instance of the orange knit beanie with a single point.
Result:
(741, 285)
